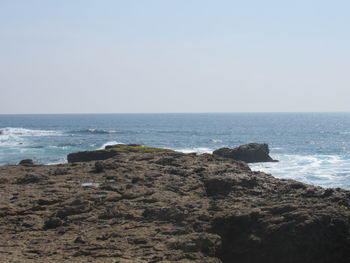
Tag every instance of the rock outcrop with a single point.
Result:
(165, 206)
(87, 156)
(250, 153)
(109, 152)
(26, 162)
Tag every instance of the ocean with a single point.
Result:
(311, 147)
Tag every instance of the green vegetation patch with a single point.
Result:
(125, 148)
(138, 148)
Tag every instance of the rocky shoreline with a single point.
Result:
(147, 204)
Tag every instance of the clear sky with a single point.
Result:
(117, 56)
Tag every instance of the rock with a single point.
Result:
(250, 153)
(79, 240)
(99, 167)
(111, 151)
(118, 145)
(171, 214)
(29, 179)
(87, 156)
(74, 208)
(196, 242)
(218, 186)
(26, 162)
(163, 206)
(53, 222)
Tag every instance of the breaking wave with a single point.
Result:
(216, 141)
(11, 136)
(323, 170)
(26, 132)
(198, 150)
(96, 131)
(109, 143)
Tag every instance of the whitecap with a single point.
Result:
(216, 141)
(58, 147)
(13, 131)
(14, 137)
(198, 150)
(96, 131)
(323, 170)
(109, 143)
(10, 141)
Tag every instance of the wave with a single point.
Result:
(8, 131)
(109, 143)
(13, 136)
(323, 170)
(96, 131)
(60, 161)
(198, 150)
(216, 141)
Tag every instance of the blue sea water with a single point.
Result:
(312, 147)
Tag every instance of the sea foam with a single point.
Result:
(13, 136)
(96, 131)
(8, 131)
(323, 170)
(198, 150)
(109, 143)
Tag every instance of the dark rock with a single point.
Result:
(59, 171)
(79, 240)
(196, 242)
(87, 156)
(53, 222)
(250, 153)
(171, 214)
(328, 192)
(74, 208)
(218, 186)
(110, 213)
(29, 179)
(167, 162)
(47, 201)
(282, 241)
(99, 168)
(26, 162)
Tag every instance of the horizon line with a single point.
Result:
(139, 113)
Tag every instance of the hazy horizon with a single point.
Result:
(81, 57)
(199, 113)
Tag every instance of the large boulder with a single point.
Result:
(26, 162)
(250, 153)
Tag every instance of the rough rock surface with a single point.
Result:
(250, 153)
(167, 207)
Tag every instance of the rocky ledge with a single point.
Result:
(250, 153)
(165, 206)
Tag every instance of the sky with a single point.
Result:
(138, 56)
